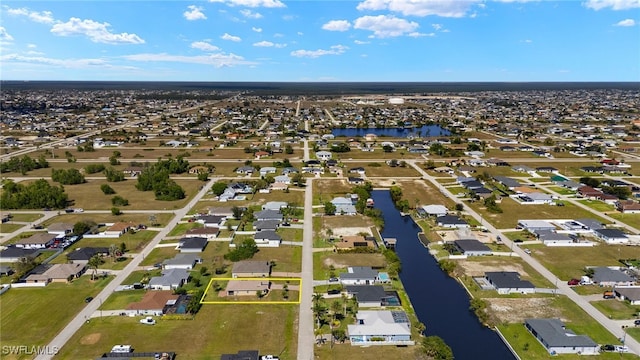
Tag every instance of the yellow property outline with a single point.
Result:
(299, 280)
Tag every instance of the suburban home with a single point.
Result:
(221, 211)
(282, 179)
(60, 229)
(344, 206)
(212, 221)
(266, 225)
(280, 184)
(590, 224)
(535, 198)
(353, 241)
(611, 236)
(247, 287)
(209, 233)
(557, 339)
(628, 206)
(39, 240)
(251, 269)
(535, 225)
(55, 273)
(507, 282)
(245, 170)
(472, 247)
(275, 205)
(267, 238)
(605, 276)
(153, 303)
(372, 296)
(170, 279)
(15, 254)
(268, 215)
(589, 193)
(82, 255)
(182, 261)
(452, 221)
(267, 170)
(381, 327)
(118, 229)
(242, 355)
(432, 210)
(355, 180)
(628, 293)
(552, 238)
(508, 182)
(323, 155)
(192, 244)
(359, 275)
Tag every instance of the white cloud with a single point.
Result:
(250, 14)
(527, 41)
(444, 8)
(300, 33)
(204, 46)
(194, 13)
(626, 22)
(384, 26)
(258, 30)
(337, 25)
(32, 46)
(216, 60)
(4, 35)
(334, 50)
(436, 27)
(32, 52)
(67, 63)
(360, 42)
(278, 35)
(230, 37)
(253, 3)
(269, 44)
(613, 4)
(95, 31)
(44, 17)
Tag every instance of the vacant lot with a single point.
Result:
(35, 315)
(215, 330)
(323, 261)
(106, 218)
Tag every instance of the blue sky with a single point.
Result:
(367, 40)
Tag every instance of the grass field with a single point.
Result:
(597, 205)
(134, 242)
(617, 310)
(372, 169)
(26, 217)
(568, 263)
(121, 299)
(35, 315)
(214, 330)
(629, 219)
(103, 218)
(512, 212)
(158, 255)
(325, 190)
(181, 229)
(9, 227)
(323, 260)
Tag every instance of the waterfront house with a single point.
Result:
(359, 275)
(472, 247)
(381, 327)
(557, 339)
(507, 282)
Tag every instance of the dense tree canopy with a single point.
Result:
(156, 178)
(246, 250)
(23, 164)
(67, 176)
(38, 194)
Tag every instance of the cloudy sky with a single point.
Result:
(317, 40)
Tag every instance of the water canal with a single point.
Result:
(397, 132)
(440, 302)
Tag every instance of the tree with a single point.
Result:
(245, 250)
(153, 220)
(288, 149)
(115, 211)
(122, 248)
(203, 176)
(329, 208)
(219, 187)
(387, 148)
(106, 189)
(113, 251)
(38, 194)
(589, 181)
(459, 207)
(119, 201)
(83, 227)
(93, 168)
(436, 348)
(67, 176)
(318, 308)
(113, 175)
(237, 212)
(298, 179)
(94, 263)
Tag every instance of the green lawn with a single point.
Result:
(26, 217)
(597, 205)
(568, 263)
(629, 219)
(121, 299)
(134, 242)
(181, 229)
(9, 227)
(35, 315)
(617, 310)
(161, 218)
(323, 260)
(215, 330)
(158, 255)
(289, 234)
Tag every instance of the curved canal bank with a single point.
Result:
(440, 302)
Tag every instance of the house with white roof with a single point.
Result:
(382, 327)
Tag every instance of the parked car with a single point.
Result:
(88, 299)
(573, 282)
(636, 322)
(334, 279)
(621, 348)
(333, 292)
(607, 347)
(269, 357)
(148, 321)
(527, 251)
(608, 295)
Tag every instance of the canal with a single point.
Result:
(440, 302)
(399, 132)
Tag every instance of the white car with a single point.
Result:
(621, 348)
(148, 321)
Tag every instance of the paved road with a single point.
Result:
(611, 325)
(74, 325)
(47, 215)
(306, 337)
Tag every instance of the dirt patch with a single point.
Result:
(90, 339)
(349, 231)
(517, 310)
(478, 268)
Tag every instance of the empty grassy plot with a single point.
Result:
(26, 217)
(420, 192)
(106, 218)
(252, 290)
(376, 169)
(617, 310)
(286, 258)
(133, 242)
(121, 299)
(289, 234)
(43, 311)
(216, 330)
(181, 229)
(9, 227)
(629, 219)
(597, 205)
(568, 263)
(324, 262)
(158, 255)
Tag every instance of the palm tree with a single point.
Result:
(94, 262)
(318, 308)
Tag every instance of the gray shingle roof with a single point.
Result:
(553, 334)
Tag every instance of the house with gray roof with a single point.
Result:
(267, 238)
(432, 210)
(380, 328)
(557, 339)
(251, 269)
(611, 236)
(39, 240)
(590, 224)
(182, 261)
(472, 247)
(507, 282)
(606, 276)
(170, 279)
(192, 244)
(372, 296)
(508, 182)
(359, 275)
(535, 225)
(268, 215)
(82, 255)
(275, 205)
(552, 238)
(266, 225)
(15, 254)
(452, 221)
(628, 293)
